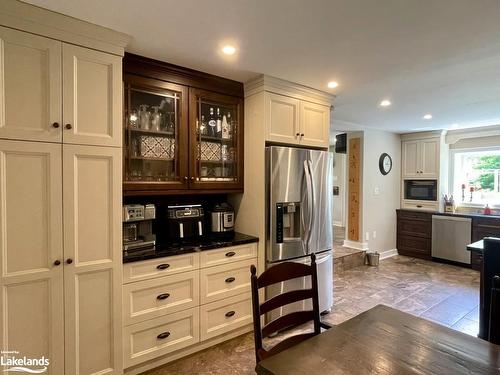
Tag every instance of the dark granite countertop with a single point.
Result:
(208, 243)
(450, 213)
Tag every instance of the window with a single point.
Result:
(476, 176)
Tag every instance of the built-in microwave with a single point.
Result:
(420, 190)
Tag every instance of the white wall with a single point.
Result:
(339, 179)
(381, 194)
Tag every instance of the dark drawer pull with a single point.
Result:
(230, 279)
(419, 206)
(231, 254)
(163, 296)
(163, 335)
(163, 266)
(230, 314)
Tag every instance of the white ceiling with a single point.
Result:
(427, 56)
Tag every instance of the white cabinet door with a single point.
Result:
(282, 119)
(92, 250)
(314, 124)
(429, 149)
(411, 160)
(92, 87)
(31, 301)
(30, 87)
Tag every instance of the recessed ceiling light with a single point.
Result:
(333, 84)
(385, 103)
(427, 116)
(229, 49)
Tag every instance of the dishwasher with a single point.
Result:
(450, 237)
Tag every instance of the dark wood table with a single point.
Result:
(386, 341)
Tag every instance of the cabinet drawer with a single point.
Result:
(414, 246)
(227, 255)
(225, 281)
(415, 227)
(476, 261)
(420, 205)
(486, 222)
(156, 337)
(160, 267)
(414, 215)
(152, 298)
(223, 316)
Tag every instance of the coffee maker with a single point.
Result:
(185, 222)
(138, 233)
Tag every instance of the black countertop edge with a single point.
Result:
(449, 213)
(204, 245)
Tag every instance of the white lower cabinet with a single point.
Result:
(223, 316)
(160, 336)
(185, 302)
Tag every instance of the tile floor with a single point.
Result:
(445, 294)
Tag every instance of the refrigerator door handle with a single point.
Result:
(311, 202)
(308, 177)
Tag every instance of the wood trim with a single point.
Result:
(223, 190)
(36, 20)
(354, 189)
(164, 71)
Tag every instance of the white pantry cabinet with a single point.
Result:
(296, 122)
(60, 190)
(57, 92)
(421, 158)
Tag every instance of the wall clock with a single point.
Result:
(385, 163)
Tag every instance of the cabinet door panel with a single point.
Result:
(92, 240)
(410, 159)
(92, 86)
(314, 124)
(30, 86)
(282, 122)
(31, 301)
(430, 158)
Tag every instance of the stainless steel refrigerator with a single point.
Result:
(299, 219)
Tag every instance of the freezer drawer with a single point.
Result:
(450, 237)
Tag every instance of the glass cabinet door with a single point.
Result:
(154, 138)
(215, 122)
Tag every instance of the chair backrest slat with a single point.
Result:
(494, 333)
(285, 299)
(283, 272)
(292, 319)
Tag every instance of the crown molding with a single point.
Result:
(454, 136)
(282, 87)
(423, 135)
(33, 19)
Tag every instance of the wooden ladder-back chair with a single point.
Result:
(277, 274)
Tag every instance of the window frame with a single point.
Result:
(451, 174)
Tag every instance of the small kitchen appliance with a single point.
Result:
(138, 233)
(222, 219)
(185, 222)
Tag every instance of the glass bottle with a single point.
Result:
(219, 123)
(156, 118)
(230, 125)
(212, 122)
(225, 127)
(145, 117)
(203, 126)
(133, 119)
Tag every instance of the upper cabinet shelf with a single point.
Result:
(183, 130)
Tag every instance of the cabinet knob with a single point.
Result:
(55, 125)
(57, 262)
(192, 178)
(69, 261)
(186, 178)
(68, 126)
(301, 134)
(297, 134)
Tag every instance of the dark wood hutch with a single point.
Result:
(183, 130)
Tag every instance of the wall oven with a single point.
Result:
(420, 190)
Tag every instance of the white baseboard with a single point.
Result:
(388, 254)
(356, 245)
